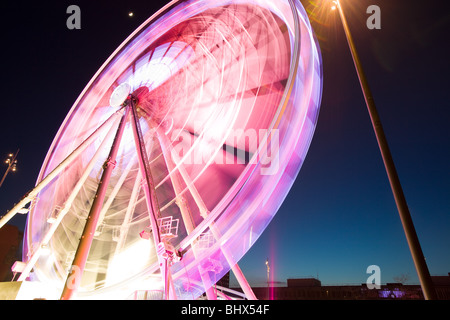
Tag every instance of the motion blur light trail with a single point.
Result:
(203, 74)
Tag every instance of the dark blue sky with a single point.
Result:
(340, 216)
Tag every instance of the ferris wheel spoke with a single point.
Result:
(188, 220)
(237, 152)
(116, 189)
(204, 212)
(64, 210)
(177, 165)
(123, 231)
(181, 51)
(236, 33)
(168, 49)
(275, 87)
(59, 168)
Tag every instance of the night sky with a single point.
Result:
(340, 216)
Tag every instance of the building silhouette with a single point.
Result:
(296, 289)
(312, 289)
(10, 250)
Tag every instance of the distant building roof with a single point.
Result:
(304, 282)
(441, 280)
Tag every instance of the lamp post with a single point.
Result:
(12, 165)
(402, 207)
(268, 279)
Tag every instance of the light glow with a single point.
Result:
(130, 261)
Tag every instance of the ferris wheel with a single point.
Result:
(177, 154)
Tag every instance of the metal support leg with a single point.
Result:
(152, 202)
(79, 262)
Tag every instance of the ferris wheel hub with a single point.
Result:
(119, 95)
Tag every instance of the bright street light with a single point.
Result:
(11, 161)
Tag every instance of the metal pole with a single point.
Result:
(79, 261)
(402, 207)
(268, 279)
(152, 202)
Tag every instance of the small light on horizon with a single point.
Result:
(130, 14)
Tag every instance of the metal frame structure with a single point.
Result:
(166, 252)
(84, 193)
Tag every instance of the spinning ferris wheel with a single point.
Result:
(177, 154)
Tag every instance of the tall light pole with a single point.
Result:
(268, 279)
(12, 163)
(402, 206)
